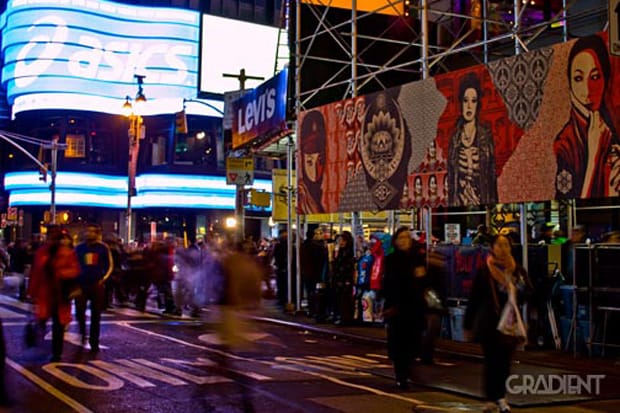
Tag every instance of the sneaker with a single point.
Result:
(403, 385)
(502, 405)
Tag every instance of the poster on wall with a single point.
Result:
(538, 126)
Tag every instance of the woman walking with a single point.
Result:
(54, 263)
(499, 278)
(404, 310)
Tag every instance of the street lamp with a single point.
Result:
(135, 132)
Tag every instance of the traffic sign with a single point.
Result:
(239, 171)
(614, 24)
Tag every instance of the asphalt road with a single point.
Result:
(149, 363)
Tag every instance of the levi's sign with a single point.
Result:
(261, 111)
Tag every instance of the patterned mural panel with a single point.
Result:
(537, 126)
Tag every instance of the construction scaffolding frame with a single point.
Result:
(485, 31)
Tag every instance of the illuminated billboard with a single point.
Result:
(227, 46)
(77, 54)
(394, 8)
(110, 191)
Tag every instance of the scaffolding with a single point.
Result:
(333, 59)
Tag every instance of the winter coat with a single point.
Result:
(45, 281)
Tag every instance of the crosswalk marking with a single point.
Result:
(6, 313)
(132, 313)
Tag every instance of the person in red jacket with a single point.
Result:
(54, 263)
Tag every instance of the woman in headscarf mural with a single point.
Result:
(471, 157)
(313, 145)
(588, 149)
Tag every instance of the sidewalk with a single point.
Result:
(375, 333)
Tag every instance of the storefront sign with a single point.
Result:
(260, 112)
(95, 47)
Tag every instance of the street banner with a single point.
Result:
(537, 126)
(260, 112)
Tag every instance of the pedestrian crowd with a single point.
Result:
(390, 279)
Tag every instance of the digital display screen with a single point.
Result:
(227, 46)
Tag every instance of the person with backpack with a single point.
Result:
(55, 265)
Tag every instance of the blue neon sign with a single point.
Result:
(65, 48)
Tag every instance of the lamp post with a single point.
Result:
(135, 132)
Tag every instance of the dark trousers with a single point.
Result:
(403, 341)
(433, 327)
(165, 297)
(58, 335)
(3, 395)
(497, 354)
(95, 294)
(282, 286)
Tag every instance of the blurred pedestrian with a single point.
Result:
(55, 263)
(343, 277)
(4, 397)
(495, 282)
(96, 265)
(313, 258)
(404, 310)
(483, 236)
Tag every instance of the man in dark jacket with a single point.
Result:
(313, 267)
(96, 265)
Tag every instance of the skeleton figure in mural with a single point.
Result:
(471, 158)
(588, 149)
(312, 161)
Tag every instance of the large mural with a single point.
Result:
(541, 125)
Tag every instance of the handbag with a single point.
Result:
(70, 289)
(433, 302)
(510, 321)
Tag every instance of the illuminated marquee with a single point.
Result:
(59, 51)
(110, 191)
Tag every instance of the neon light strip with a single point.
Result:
(154, 190)
(152, 182)
(156, 199)
(70, 101)
(67, 180)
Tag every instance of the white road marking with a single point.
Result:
(132, 312)
(48, 387)
(6, 313)
(271, 364)
(75, 339)
(14, 302)
(216, 340)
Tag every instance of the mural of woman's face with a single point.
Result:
(312, 168)
(432, 185)
(470, 104)
(586, 80)
(418, 186)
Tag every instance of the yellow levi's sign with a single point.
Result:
(394, 8)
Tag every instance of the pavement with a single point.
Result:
(462, 377)
(375, 333)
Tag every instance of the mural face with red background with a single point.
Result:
(537, 126)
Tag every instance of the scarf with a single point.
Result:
(499, 268)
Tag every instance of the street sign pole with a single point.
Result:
(240, 213)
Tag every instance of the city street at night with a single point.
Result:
(149, 363)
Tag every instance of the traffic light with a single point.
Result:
(63, 217)
(43, 173)
(180, 122)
